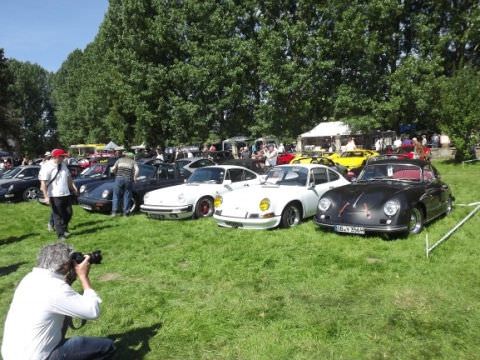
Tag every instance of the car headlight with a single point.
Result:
(82, 189)
(105, 193)
(181, 197)
(324, 204)
(217, 202)
(10, 188)
(145, 197)
(264, 204)
(391, 207)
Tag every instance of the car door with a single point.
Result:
(433, 193)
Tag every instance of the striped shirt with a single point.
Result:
(126, 167)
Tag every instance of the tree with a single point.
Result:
(9, 126)
(460, 110)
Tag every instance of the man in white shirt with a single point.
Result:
(56, 184)
(43, 301)
(271, 155)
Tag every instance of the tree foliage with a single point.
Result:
(184, 71)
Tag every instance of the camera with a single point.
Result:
(95, 257)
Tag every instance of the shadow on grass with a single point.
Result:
(5, 270)
(92, 230)
(14, 239)
(134, 344)
(88, 223)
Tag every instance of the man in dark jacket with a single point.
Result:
(126, 173)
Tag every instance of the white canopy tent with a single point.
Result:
(328, 129)
(110, 146)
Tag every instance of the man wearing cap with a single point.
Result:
(57, 185)
(126, 173)
(46, 157)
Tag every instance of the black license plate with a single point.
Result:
(349, 229)
(234, 224)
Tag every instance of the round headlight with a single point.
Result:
(217, 202)
(324, 204)
(105, 193)
(82, 189)
(10, 188)
(264, 204)
(391, 207)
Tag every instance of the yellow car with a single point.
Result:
(353, 159)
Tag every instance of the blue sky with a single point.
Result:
(46, 31)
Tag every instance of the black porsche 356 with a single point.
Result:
(389, 196)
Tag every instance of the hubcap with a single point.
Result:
(415, 221)
(31, 194)
(205, 208)
(292, 216)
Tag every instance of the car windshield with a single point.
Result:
(93, 171)
(211, 175)
(12, 173)
(287, 175)
(399, 172)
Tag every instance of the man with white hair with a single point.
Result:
(42, 306)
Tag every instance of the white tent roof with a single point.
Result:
(110, 146)
(331, 128)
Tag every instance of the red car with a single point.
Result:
(407, 152)
(284, 158)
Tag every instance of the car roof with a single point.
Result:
(227, 167)
(307, 166)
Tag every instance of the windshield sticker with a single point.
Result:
(390, 171)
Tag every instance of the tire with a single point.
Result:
(291, 216)
(134, 205)
(449, 208)
(30, 194)
(415, 224)
(204, 207)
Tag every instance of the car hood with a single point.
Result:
(181, 194)
(249, 198)
(96, 189)
(8, 181)
(373, 194)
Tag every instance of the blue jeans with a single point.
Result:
(84, 348)
(123, 187)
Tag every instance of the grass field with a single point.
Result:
(191, 290)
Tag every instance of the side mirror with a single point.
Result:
(227, 182)
(143, 177)
(311, 185)
(21, 176)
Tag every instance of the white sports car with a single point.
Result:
(195, 197)
(289, 194)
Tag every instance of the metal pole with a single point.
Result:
(447, 235)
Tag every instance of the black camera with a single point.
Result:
(95, 257)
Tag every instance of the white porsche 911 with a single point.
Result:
(289, 194)
(195, 197)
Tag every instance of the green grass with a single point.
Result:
(191, 290)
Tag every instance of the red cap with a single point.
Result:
(58, 153)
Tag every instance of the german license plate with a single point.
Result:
(349, 229)
(233, 224)
(86, 207)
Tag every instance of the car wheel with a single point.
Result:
(449, 208)
(133, 205)
(204, 207)
(415, 225)
(31, 193)
(291, 216)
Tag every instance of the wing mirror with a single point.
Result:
(143, 177)
(227, 182)
(311, 185)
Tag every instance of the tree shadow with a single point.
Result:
(91, 231)
(134, 344)
(14, 239)
(88, 223)
(5, 270)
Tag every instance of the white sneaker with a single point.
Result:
(49, 227)
(66, 234)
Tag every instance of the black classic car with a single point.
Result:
(20, 183)
(389, 196)
(97, 196)
(96, 172)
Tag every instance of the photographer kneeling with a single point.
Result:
(42, 306)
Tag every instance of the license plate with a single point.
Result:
(234, 224)
(86, 207)
(350, 229)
